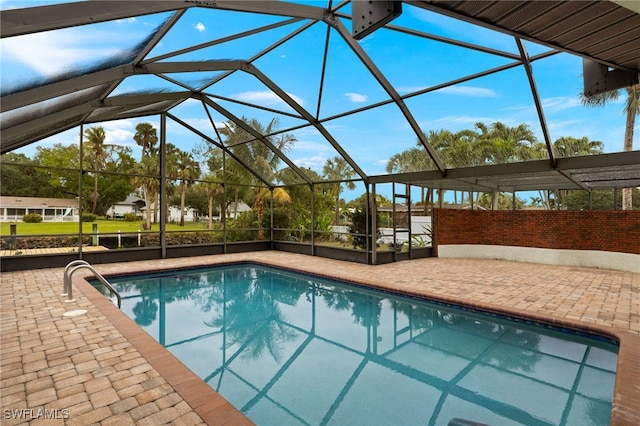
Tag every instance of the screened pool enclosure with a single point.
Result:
(290, 108)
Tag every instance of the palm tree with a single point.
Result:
(172, 155)
(631, 109)
(260, 157)
(417, 159)
(142, 178)
(336, 169)
(95, 137)
(212, 189)
(573, 147)
(280, 197)
(187, 171)
(503, 144)
(147, 138)
(463, 149)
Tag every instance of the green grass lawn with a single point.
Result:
(104, 227)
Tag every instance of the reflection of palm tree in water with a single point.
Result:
(337, 299)
(522, 354)
(145, 311)
(519, 352)
(366, 311)
(253, 320)
(162, 290)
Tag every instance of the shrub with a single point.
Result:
(88, 217)
(32, 218)
(130, 217)
(359, 230)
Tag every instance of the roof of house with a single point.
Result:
(131, 200)
(37, 202)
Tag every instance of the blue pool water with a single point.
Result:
(288, 349)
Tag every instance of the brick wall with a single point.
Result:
(616, 231)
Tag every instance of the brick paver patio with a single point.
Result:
(100, 368)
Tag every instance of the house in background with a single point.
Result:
(173, 214)
(51, 209)
(234, 211)
(132, 204)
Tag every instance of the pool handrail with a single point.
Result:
(79, 264)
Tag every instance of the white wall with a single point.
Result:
(587, 258)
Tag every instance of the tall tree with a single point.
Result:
(261, 158)
(337, 169)
(212, 188)
(503, 144)
(143, 177)
(95, 137)
(187, 171)
(568, 146)
(146, 137)
(21, 176)
(417, 159)
(631, 110)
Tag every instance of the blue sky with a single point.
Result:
(371, 137)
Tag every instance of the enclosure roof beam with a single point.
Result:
(222, 147)
(52, 17)
(45, 18)
(602, 171)
(258, 136)
(307, 116)
(64, 87)
(536, 100)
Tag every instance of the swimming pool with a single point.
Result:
(295, 349)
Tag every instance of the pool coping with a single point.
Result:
(215, 410)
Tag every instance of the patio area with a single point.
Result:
(100, 367)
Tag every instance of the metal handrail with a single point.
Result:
(79, 264)
(67, 278)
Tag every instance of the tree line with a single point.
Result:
(496, 143)
(209, 179)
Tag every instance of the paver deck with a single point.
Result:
(100, 367)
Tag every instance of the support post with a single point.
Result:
(80, 197)
(12, 241)
(163, 186)
(374, 225)
(95, 239)
(313, 220)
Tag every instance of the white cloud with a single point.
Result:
(265, 97)
(312, 146)
(382, 162)
(466, 119)
(561, 102)
(200, 27)
(356, 97)
(118, 136)
(478, 92)
(119, 132)
(558, 127)
(315, 162)
(409, 89)
(131, 20)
